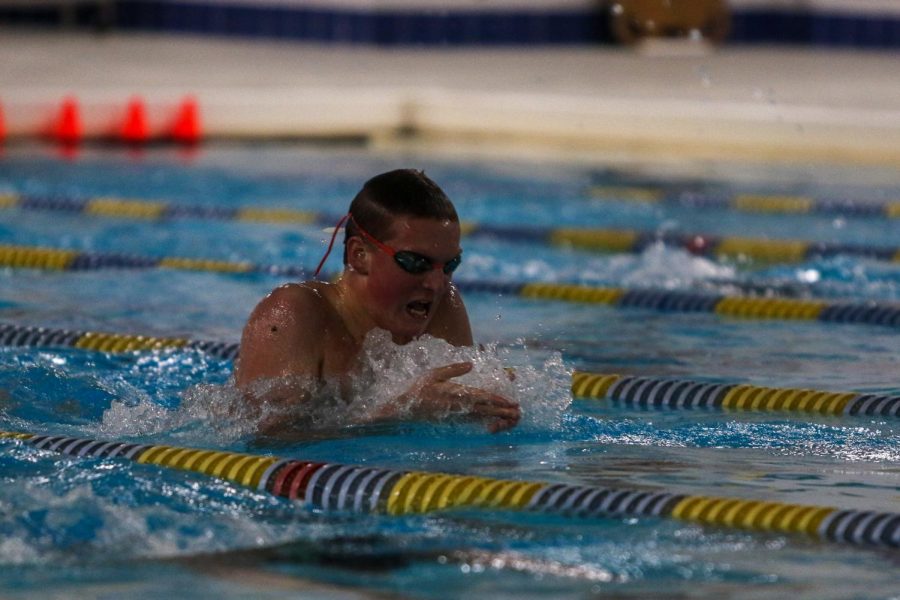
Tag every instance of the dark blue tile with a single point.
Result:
(441, 28)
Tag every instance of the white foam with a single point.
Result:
(388, 370)
(663, 267)
(217, 412)
(16, 551)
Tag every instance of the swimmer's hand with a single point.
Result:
(434, 396)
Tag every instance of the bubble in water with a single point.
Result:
(808, 275)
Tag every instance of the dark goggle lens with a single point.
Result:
(416, 264)
(451, 264)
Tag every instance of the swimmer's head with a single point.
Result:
(400, 193)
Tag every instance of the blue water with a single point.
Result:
(101, 528)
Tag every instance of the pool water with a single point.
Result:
(90, 527)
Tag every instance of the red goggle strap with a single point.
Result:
(331, 243)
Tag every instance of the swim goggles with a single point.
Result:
(411, 262)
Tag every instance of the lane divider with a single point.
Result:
(780, 204)
(44, 337)
(126, 208)
(601, 240)
(52, 259)
(760, 250)
(346, 488)
(673, 301)
(640, 392)
(669, 393)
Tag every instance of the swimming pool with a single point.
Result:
(93, 526)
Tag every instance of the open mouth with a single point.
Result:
(419, 309)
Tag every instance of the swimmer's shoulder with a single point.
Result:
(307, 304)
(284, 333)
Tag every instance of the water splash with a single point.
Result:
(661, 266)
(216, 414)
(387, 370)
(208, 413)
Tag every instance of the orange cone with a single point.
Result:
(68, 129)
(134, 130)
(187, 128)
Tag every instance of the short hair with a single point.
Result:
(403, 192)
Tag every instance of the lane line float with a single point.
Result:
(778, 204)
(670, 393)
(45, 337)
(347, 488)
(54, 259)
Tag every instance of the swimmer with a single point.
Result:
(401, 247)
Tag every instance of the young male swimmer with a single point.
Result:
(401, 247)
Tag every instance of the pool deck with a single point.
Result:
(664, 100)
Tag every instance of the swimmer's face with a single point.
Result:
(405, 303)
